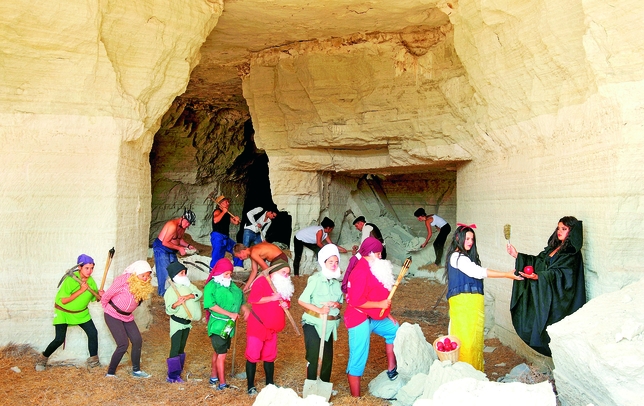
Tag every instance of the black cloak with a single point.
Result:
(559, 291)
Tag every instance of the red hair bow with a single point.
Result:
(472, 226)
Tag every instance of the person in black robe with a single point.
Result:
(554, 290)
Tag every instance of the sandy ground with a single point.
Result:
(72, 385)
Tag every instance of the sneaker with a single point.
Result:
(140, 374)
(41, 363)
(252, 391)
(93, 362)
(393, 374)
(222, 386)
(110, 376)
(213, 381)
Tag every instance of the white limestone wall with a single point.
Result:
(83, 88)
(537, 104)
(579, 159)
(352, 106)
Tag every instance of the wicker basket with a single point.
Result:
(448, 355)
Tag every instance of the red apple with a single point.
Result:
(528, 270)
(440, 346)
(447, 342)
(454, 345)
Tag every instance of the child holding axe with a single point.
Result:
(368, 288)
(182, 304)
(267, 318)
(77, 290)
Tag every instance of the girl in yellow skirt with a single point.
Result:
(464, 275)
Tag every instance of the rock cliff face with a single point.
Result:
(84, 86)
(520, 112)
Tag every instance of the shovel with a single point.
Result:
(319, 387)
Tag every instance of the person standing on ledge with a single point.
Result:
(257, 224)
(368, 230)
(220, 238)
(443, 227)
(313, 238)
(169, 242)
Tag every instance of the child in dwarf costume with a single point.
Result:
(119, 302)
(322, 295)
(368, 286)
(180, 322)
(71, 309)
(266, 319)
(224, 300)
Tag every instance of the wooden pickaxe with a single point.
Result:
(266, 274)
(110, 255)
(176, 291)
(217, 204)
(70, 273)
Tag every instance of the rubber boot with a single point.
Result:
(269, 370)
(354, 385)
(182, 357)
(174, 370)
(251, 368)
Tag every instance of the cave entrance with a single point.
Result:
(203, 150)
(389, 202)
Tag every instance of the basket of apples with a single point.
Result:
(447, 348)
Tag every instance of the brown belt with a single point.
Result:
(316, 314)
(66, 310)
(119, 311)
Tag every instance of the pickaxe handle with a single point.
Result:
(288, 314)
(217, 204)
(185, 307)
(232, 361)
(92, 291)
(110, 255)
(401, 275)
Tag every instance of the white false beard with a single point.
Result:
(181, 280)
(382, 270)
(283, 285)
(329, 274)
(222, 280)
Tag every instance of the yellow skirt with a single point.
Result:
(467, 321)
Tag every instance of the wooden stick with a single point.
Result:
(401, 275)
(217, 205)
(185, 307)
(110, 255)
(77, 279)
(288, 314)
(232, 360)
